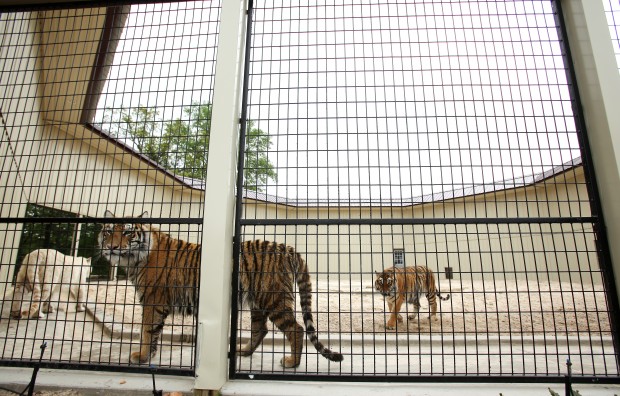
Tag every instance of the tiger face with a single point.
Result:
(124, 244)
(386, 284)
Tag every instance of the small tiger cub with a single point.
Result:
(398, 285)
(44, 272)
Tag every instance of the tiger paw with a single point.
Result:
(16, 314)
(138, 358)
(244, 350)
(390, 326)
(33, 315)
(49, 309)
(399, 318)
(288, 362)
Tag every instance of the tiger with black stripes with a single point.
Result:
(268, 267)
(165, 273)
(398, 285)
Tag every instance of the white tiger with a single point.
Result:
(44, 272)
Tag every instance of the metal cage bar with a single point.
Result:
(106, 108)
(311, 69)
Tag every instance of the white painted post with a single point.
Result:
(216, 265)
(599, 87)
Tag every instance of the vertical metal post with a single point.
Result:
(216, 265)
(240, 179)
(593, 67)
(597, 75)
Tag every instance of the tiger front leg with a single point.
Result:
(153, 318)
(259, 331)
(395, 315)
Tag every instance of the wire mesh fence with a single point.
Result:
(428, 134)
(105, 111)
(521, 300)
(435, 136)
(612, 11)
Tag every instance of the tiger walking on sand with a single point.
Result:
(398, 285)
(165, 273)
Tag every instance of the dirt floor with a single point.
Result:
(490, 307)
(474, 306)
(44, 393)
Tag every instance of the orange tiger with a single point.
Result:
(165, 272)
(268, 272)
(398, 285)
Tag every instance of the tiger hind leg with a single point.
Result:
(79, 292)
(18, 297)
(38, 294)
(49, 297)
(432, 302)
(285, 321)
(416, 307)
(259, 331)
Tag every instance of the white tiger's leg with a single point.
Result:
(46, 298)
(79, 292)
(35, 303)
(51, 287)
(18, 296)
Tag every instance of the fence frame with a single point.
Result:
(597, 81)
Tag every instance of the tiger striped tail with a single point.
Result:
(305, 294)
(446, 298)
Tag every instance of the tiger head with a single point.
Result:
(125, 244)
(385, 283)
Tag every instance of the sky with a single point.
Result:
(373, 101)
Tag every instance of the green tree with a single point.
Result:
(185, 142)
(257, 167)
(140, 126)
(182, 145)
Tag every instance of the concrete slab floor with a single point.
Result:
(109, 384)
(94, 383)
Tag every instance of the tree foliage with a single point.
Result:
(182, 145)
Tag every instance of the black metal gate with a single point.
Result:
(436, 134)
(104, 107)
(429, 133)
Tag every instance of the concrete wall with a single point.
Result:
(20, 123)
(475, 250)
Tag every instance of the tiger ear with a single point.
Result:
(108, 214)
